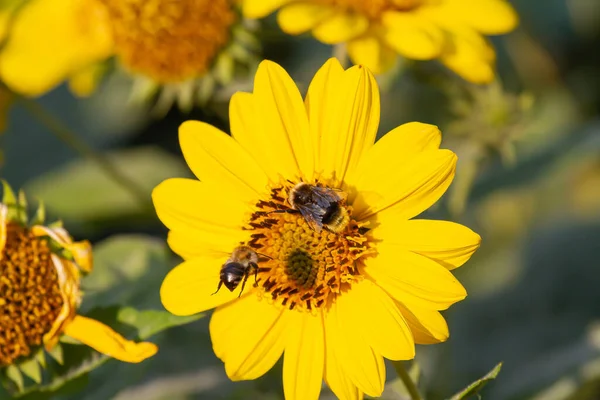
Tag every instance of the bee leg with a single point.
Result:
(243, 284)
(218, 287)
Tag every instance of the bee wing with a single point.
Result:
(323, 197)
(313, 215)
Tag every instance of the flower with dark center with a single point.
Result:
(335, 301)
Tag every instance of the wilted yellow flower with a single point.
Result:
(376, 31)
(168, 44)
(39, 290)
(336, 300)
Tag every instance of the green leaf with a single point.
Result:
(31, 368)
(82, 192)
(476, 386)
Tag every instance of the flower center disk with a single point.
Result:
(372, 8)
(30, 296)
(303, 268)
(170, 41)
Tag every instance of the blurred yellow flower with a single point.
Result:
(39, 291)
(171, 44)
(376, 31)
(336, 300)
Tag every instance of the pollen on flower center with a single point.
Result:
(169, 41)
(304, 268)
(30, 295)
(372, 8)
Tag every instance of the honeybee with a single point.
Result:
(320, 206)
(238, 267)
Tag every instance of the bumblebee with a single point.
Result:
(242, 262)
(320, 206)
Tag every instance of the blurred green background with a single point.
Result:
(528, 182)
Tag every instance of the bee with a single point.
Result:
(238, 267)
(320, 206)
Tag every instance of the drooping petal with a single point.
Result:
(304, 358)
(298, 18)
(359, 361)
(406, 141)
(190, 287)
(320, 98)
(341, 27)
(3, 223)
(490, 17)
(80, 251)
(413, 35)
(413, 279)
(414, 186)
(279, 107)
(448, 243)
(52, 39)
(249, 336)
(471, 56)
(427, 326)
(215, 157)
(375, 316)
(184, 204)
(368, 50)
(261, 8)
(106, 341)
(349, 122)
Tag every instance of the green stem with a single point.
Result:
(63, 133)
(408, 382)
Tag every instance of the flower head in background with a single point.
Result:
(40, 269)
(335, 292)
(377, 31)
(177, 49)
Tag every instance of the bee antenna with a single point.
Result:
(264, 255)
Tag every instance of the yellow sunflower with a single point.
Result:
(376, 31)
(336, 301)
(178, 47)
(39, 291)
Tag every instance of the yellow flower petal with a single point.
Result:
(349, 121)
(368, 50)
(413, 35)
(106, 341)
(413, 279)
(3, 222)
(261, 8)
(188, 289)
(304, 359)
(415, 185)
(283, 117)
(249, 336)
(407, 141)
(427, 326)
(81, 251)
(341, 27)
(6, 14)
(490, 17)
(320, 98)
(191, 243)
(298, 18)
(85, 81)
(375, 316)
(448, 243)
(470, 56)
(52, 39)
(335, 376)
(361, 364)
(184, 204)
(215, 157)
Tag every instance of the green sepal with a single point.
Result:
(41, 357)
(56, 224)
(243, 36)
(185, 96)
(224, 68)
(206, 89)
(10, 201)
(31, 368)
(240, 53)
(40, 214)
(57, 354)
(14, 375)
(22, 208)
(69, 340)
